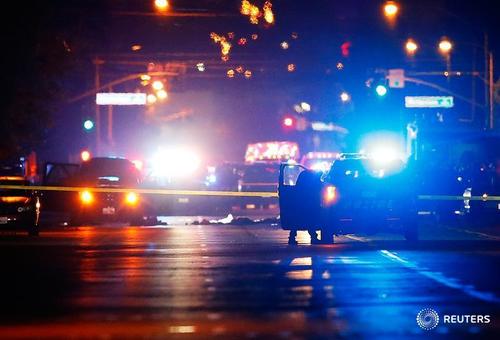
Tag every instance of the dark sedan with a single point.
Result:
(19, 208)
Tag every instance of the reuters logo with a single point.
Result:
(427, 319)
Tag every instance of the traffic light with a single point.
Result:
(288, 122)
(396, 78)
(88, 125)
(85, 155)
(381, 90)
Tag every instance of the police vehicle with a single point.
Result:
(360, 194)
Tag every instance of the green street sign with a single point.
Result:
(445, 102)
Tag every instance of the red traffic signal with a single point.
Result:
(288, 122)
(85, 155)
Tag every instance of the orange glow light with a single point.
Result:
(411, 46)
(14, 199)
(268, 12)
(151, 98)
(162, 94)
(85, 155)
(224, 44)
(391, 9)
(131, 198)
(329, 195)
(161, 5)
(157, 85)
(86, 197)
(254, 13)
(445, 46)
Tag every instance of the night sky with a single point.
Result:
(48, 48)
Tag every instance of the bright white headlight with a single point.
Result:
(174, 163)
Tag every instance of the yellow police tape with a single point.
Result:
(264, 194)
(458, 198)
(146, 191)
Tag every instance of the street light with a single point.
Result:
(344, 97)
(151, 98)
(162, 94)
(157, 85)
(445, 46)
(411, 47)
(391, 9)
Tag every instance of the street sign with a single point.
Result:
(120, 98)
(445, 102)
(396, 78)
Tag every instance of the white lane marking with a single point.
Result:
(487, 236)
(436, 276)
(356, 238)
(442, 279)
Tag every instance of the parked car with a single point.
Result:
(98, 200)
(19, 208)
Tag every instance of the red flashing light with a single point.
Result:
(345, 49)
(288, 122)
(85, 155)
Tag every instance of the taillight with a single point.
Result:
(131, 198)
(86, 197)
(15, 199)
(330, 195)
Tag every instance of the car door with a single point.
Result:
(299, 197)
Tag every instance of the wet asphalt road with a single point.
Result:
(242, 281)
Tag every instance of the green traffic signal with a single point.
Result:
(381, 90)
(88, 125)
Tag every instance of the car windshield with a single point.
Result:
(343, 170)
(109, 172)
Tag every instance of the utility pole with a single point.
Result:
(491, 93)
(97, 84)
(486, 77)
(110, 122)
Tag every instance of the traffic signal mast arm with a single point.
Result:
(118, 81)
(442, 89)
